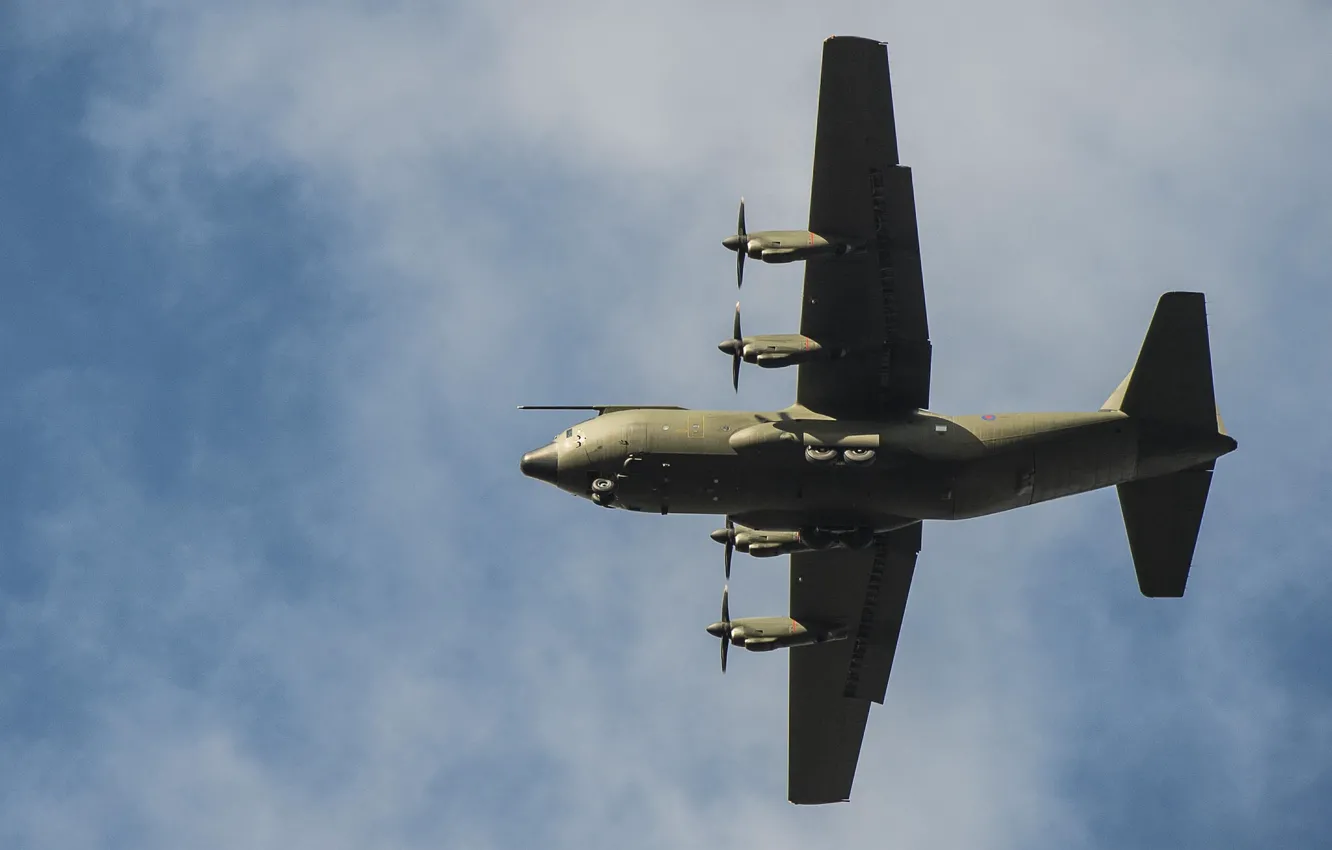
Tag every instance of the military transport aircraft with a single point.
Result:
(842, 479)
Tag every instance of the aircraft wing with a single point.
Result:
(832, 684)
(869, 302)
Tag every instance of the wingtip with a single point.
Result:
(833, 38)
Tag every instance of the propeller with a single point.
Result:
(740, 252)
(735, 346)
(726, 618)
(726, 536)
(730, 547)
(739, 243)
(722, 629)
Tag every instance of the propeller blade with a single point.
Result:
(742, 248)
(726, 624)
(737, 351)
(730, 545)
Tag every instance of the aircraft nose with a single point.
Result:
(717, 629)
(542, 464)
(732, 242)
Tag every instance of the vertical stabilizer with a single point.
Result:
(1172, 381)
(1117, 397)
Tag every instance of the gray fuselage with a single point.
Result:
(757, 467)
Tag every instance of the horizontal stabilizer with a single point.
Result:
(1162, 516)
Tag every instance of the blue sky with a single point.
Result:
(275, 275)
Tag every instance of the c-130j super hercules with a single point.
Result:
(842, 479)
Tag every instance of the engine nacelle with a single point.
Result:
(764, 634)
(773, 351)
(767, 544)
(760, 543)
(788, 246)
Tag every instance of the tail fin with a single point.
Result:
(1170, 392)
(1172, 381)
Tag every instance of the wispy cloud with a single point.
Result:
(329, 613)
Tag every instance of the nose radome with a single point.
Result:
(542, 464)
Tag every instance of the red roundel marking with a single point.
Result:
(989, 417)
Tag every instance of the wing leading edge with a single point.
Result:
(871, 302)
(832, 684)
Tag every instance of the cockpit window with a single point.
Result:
(569, 433)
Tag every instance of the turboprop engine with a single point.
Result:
(780, 246)
(762, 543)
(785, 246)
(764, 634)
(766, 544)
(773, 351)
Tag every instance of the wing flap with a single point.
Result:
(874, 643)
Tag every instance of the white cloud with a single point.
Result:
(525, 201)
